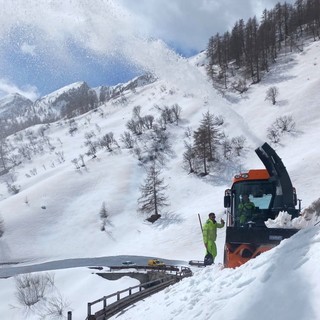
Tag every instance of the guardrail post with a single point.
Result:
(104, 302)
(69, 315)
(89, 309)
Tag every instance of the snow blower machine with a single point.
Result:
(255, 197)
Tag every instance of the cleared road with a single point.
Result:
(9, 271)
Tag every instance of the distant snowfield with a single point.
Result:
(56, 213)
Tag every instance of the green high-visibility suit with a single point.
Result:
(246, 211)
(210, 235)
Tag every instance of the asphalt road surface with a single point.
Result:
(10, 270)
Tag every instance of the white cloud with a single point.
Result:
(28, 49)
(188, 23)
(107, 26)
(28, 91)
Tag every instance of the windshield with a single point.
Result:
(252, 200)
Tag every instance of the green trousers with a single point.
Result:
(212, 248)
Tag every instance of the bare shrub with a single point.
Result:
(273, 135)
(12, 188)
(81, 158)
(188, 157)
(147, 121)
(61, 157)
(281, 126)
(136, 112)
(73, 127)
(1, 227)
(38, 295)
(167, 115)
(272, 94)
(134, 126)
(92, 147)
(75, 162)
(127, 139)
(55, 308)
(176, 110)
(238, 144)
(285, 124)
(108, 141)
(31, 288)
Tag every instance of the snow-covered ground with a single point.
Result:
(56, 213)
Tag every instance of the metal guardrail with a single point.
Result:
(155, 268)
(126, 297)
(130, 298)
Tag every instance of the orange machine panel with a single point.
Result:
(256, 174)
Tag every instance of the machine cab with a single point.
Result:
(266, 192)
(251, 199)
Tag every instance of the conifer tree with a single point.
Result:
(153, 196)
(103, 216)
(206, 138)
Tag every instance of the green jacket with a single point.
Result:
(246, 206)
(246, 211)
(210, 231)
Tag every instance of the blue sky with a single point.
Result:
(45, 45)
(43, 72)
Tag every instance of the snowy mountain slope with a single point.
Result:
(297, 78)
(13, 105)
(68, 101)
(73, 197)
(56, 213)
(118, 186)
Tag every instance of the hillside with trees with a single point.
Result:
(252, 46)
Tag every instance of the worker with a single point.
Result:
(246, 210)
(209, 237)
